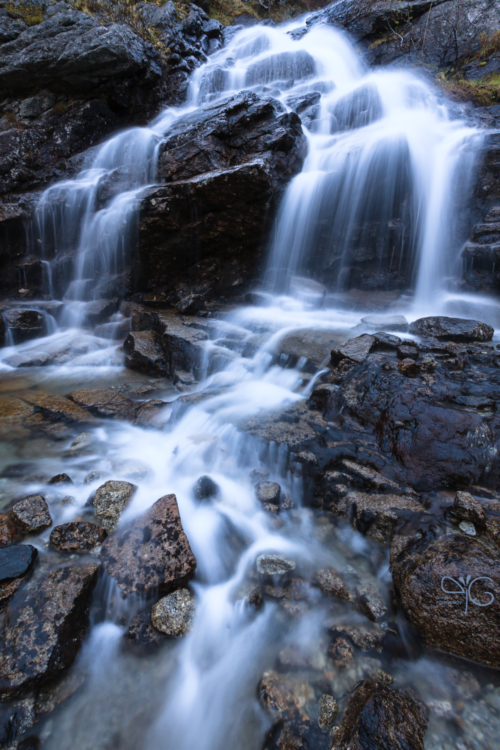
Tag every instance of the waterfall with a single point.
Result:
(375, 205)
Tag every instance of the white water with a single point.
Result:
(403, 143)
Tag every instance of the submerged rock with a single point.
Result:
(43, 632)
(452, 329)
(332, 584)
(77, 536)
(32, 514)
(377, 716)
(284, 695)
(448, 590)
(271, 564)
(205, 488)
(110, 500)
(328, 710)
(173, 614)
(153, 553)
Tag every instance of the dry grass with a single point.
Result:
(31, 14)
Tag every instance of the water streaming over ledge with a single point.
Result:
(384, 155)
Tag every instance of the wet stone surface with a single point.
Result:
(173, 614)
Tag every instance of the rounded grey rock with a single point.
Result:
(174, 614)
(270, 564)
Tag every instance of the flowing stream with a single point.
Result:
(384, 151)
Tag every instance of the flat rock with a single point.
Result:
(173, 614)
(385, 322)
(42, 633)
(58, 408)
(307, 344)
(77, 536)
(271, 564)
(32, 514)
(356, 349)
(377, 716)
(29, 359)
(104, 402)
(16, 561)
(452, 329)
(110, 500)
(153, 553)
(424, 573)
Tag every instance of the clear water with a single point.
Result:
(374, 139)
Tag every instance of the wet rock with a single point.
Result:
(409, 368)
(296, 735)
(376, 515)
(328, 710)
(15, 719)
(341, 652)
(94, 476)
(60, 479)
(144, 353)
(98, 311)
(332, 584)
(77, 536)
(371, 602)
(452, 329)
(57, 408)
(467, 527)
(24, 324)
(378, 716)
(32, 514)
(232, 159)
(408, 350)
(9, 533)
(153, 553)
(425, 572)
(355, 350)
(33, 742)
(271, 564)
(29, 359)
(268, 493)
(283, 695)
(387, 340)
(307, 344)
(320, 395)
(132, 468)
(467, 508)
(43, 632)
(205, 488)
(16, 561)
(140, 632)
(173, 614)
(110, 500)
(104, 402)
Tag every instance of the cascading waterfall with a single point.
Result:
(383, 176)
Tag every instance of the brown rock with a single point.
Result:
(377, 716)
(32, 514)
(285, 696)
(371, 602)
(77, 536)
(57, 408)
(153, 553)
(409, 368)
(60, 479)
(467, 508)
(332, 584)
(341, 652)
(104, 402)
(43, 632)
(453, 622)
(9, 533)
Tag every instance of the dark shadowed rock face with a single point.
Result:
(456, 623)
(296, 735)
(230, 161)
(144, 353)
(378, 717)
(24, 324)
(452, 329)
(153, 553)
(44, 626)
(77, 536)
(16, 561)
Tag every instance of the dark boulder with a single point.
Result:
(232, 160)
(452, 329)
(77, 536)
(152, 554)
(24, 324)
(60, 479)
(43, 629)
(71, 52)
(16, 561)
(448, 590)
(205, 488)
(144, 353)
(296, 734)
(377, 716)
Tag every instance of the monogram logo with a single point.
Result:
(465, 588)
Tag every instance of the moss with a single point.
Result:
(483, 93)
(226, 11)
(31, 14)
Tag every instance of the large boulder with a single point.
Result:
(377, 716)
(44, 627)
(15, 564)
(153, 553)
(24, 324)
(452, 329)
(72, 52)
(231, 160)
(448, 590)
